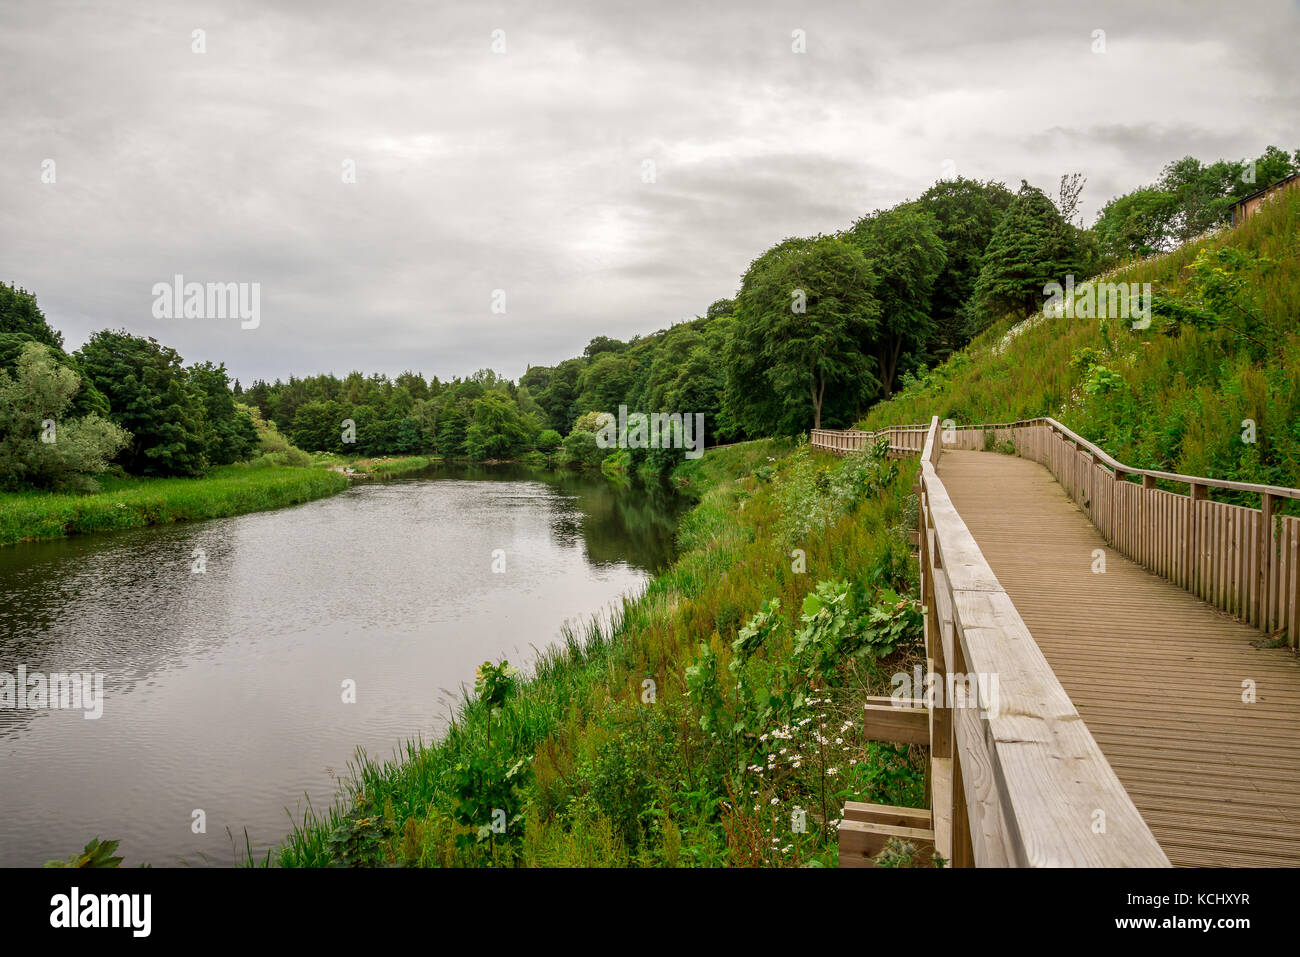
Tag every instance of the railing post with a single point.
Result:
(1265, 551)
(1147, 530)
(1199, 493)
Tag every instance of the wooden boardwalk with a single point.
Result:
(1156, 673)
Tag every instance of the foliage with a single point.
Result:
(1222, 352)
(804, 311)
(907, 258)
(1189, 199)
(38, 447)
(151, 396)
(965, 213)
(20, 315)
(95, 854)
(1031, 247)
(612, 774)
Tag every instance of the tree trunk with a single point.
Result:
(889, 365)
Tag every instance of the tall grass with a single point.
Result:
(133, 503)
(614, 780)
(1178, 398)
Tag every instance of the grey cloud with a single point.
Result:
(523, 172)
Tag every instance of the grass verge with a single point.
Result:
(656, 740)
(124, 503)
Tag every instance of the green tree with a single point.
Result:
(907, 257)
(230, 435)
(804, 313)
(37, 446)
(965, 211)
(1137, 224)
(497, 428)
(318, 427)
(19, 313)
(151, 396)
(1031, 247)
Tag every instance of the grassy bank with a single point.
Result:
(702, 727)
(1211, 388)
(135, 502)
(386, 466)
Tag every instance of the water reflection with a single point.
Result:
(224, 688)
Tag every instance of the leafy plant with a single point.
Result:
(95, 854)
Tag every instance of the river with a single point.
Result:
(227, 647)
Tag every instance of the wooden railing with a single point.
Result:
(903, 439)
(1029, 785)
(1016, 778)
(1245, 561)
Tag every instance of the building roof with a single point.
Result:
(1260, 192)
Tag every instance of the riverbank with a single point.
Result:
(124, 503)
(384, 466)
(132, 502)
(713, 722)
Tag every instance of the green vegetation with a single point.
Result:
(1190, 198)
(1033, 245)
(1211, 388)
(705, 725)
(95, 854)
(122, 503)
(34, 449)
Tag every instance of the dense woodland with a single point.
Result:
(820, 330)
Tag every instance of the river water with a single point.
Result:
(224, 688)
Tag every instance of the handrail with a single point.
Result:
(1025, 783)
(1277, 491)
(1028, 784)
(1245, 561)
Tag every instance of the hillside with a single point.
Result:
(1222, 352)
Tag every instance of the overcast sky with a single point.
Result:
(524, 170)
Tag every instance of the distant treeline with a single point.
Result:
(822, 328)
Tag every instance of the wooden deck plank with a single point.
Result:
(1155, 672)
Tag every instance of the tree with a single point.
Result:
(229, 434)
(150, 395)
(19, 313)
(453, 422)
(607, 382)
(804, 311)
(497, 428)
(601, 345)
(907, 257)
(318, 427)
(1031, 247)
(1137, 224)
(37, 446)
(966, 212)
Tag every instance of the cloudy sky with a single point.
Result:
(525, 170)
